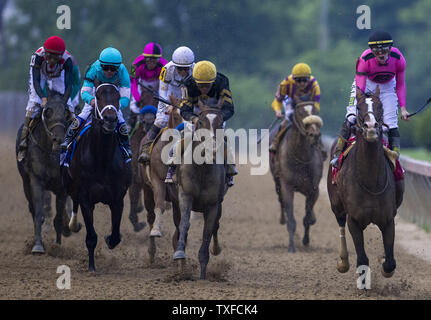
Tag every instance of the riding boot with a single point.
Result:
(343, 136)
(285, 125)
(22, 148)
(394, 141)
(144, 157)
(123, 136)
(70, 136)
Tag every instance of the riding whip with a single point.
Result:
(420, 109)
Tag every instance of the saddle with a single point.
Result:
(390, 155)
(69, 153)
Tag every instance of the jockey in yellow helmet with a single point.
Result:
(300, 79)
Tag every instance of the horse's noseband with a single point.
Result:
(48, 129)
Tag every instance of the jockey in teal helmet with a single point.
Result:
(108, 69)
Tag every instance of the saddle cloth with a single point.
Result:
(390, 155)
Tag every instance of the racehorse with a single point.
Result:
(40, 169)
(365, 191)
(298, 164)
(157, 192)
(201, 188)
(98, 170)
(142, 125)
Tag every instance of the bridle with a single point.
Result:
(48, 129)
(98, 114)
(361, 120)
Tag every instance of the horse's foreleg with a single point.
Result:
(343, 265)
(116, 213)
(389, 265)
(185, 202)
(310, 217)
(215, 248)
(159, 190)
(280, 200)
(177, 220)
(37, 195)
(287, 196)
(211, 215)
(74, 225)
(47, 204)
(358, 239)
(91, 238)
(135, 206)
(61, 218)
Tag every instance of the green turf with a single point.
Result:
(418, 154)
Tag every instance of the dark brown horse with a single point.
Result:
(297, 166)
(40, 169)
(157, 192)
(98, 171)
(201, 188)
(142, 125)
(365, 191)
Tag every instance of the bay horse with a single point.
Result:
(142, 125)
(298, 165)
(201, 188)
(157, 192)
(40, 169)
(365, 191)
(98, 170)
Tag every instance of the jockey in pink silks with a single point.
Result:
(382, 65)
(145, 71)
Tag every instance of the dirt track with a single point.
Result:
(254, 263)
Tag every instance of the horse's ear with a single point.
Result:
(359, 93)
(377, 92)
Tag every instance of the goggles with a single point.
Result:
(299, 80)
(381, 49)
(51, 57)
(107, 67)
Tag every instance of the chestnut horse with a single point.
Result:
(365, 191)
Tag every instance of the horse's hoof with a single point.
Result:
(139, 209)
(306, 241)
(66, 232)
(110, 245)
(215, 250)
(179, 255)
(291, 249)
(343, 267)
(387, 274)
(139, 226)
(92, 269)
(74, 225)
(282, 220)
(79, 227)
(38, 249)
(155, 233)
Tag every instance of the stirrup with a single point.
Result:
(21, 155)
(229, 181)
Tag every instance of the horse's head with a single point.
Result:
(306, 119)
(370, 114)
(107, 105)
(210, 120)
(54, 118)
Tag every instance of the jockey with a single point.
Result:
(381, 65)
(172, 79)
(108, 69)
(300, 79)
(145, 71)
(51, 66)
(212, 89)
